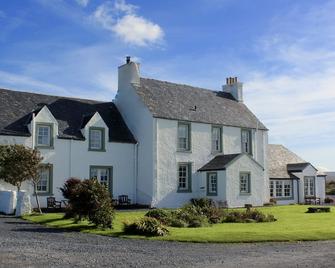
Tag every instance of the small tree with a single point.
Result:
(18, 164)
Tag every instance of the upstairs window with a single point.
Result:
(184, 177)
(184, 141)
(43, 135)
(216, 139)
(245, 183)
(246, 141)
(96, 139)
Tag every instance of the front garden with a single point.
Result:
(292, 224)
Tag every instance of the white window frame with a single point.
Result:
(184, 175)
(245, 183)
(184, 139)
(309, 186)
(216, 139)
(40, 136)
(96, 139)
(278, 189)
(212, 180)
(45, 175)
(246, 141)
(102, 174)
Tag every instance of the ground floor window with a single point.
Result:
(102, 174)
(309, 185)
(184, 177)
(212, 183)
(44, 184)
(245, 183)
(281, 188)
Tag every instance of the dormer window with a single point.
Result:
(44, 135)
(96, 139)
(246, 141)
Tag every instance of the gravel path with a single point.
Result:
(24, 244)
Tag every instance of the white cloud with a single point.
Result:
(121, 19)
(83, 3)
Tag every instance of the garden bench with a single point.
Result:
(52, 203)
(312, 200)
(318, 209)
(124, 200)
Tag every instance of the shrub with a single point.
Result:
(328, 200)
(214, 214)
(202, 202)
(69, 188)
(146, 226)
(191, 215)
(164, 216)
(273, 201)
(175, 222)
(91, 200)
(248, 216)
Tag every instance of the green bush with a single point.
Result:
(90, 200)
(164, 216)
(146, 226)
(202, 202)
(248, 216)
(175, 222)
(328, 200)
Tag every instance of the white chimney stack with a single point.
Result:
(129, 73)
(234, 87)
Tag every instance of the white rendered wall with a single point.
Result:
(168, 158)
(320, 187)
(71, 158)
(308, 171)
(257, 196)
(141, 123)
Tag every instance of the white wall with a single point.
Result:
(258, 195)
(141, 123)
(168, 158)
(71, 158)
(320, 187)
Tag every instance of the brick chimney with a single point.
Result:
(234, 87)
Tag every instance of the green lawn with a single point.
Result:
(292, 224)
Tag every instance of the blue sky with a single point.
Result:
(283, 51)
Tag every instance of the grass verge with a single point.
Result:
(292, 224)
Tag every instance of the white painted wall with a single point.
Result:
(320, 187)
(71, 158)
(258, 195)
(168, 158)
(141, 123)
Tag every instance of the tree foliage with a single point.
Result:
(18, 164)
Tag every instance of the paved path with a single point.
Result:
(23, 244)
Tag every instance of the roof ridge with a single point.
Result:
(49, 95)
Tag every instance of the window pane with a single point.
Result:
(43, 184)
(96, 139)
(246, 145)
(244, 183)
(212, 183)
(271, 188)
(183, 177)
(287, 188)
(279, 189)
(183, 136)
(43, 135)
(216, 139)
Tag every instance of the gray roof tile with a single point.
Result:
(177, 101)
(16, 108)
(219, 162)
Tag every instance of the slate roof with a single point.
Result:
(281, 161)
(219, 162)
(178, 102)
(16, 110)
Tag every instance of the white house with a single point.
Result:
(158, 142)
(292, 179)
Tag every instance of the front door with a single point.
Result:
(103, 175)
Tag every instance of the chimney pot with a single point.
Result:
(128, 59)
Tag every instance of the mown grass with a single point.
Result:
(292, 224)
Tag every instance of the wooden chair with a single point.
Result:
(52, 203)
(124, 200)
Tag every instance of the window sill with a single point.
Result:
(44, 194)
(184, 151)
(96, 150)
(184, 191)
(283, 198)
(44, 147)
(245, 194)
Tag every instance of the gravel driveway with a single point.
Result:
(23, 244)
